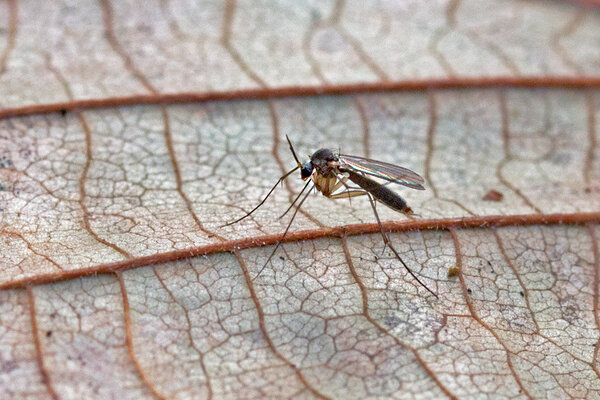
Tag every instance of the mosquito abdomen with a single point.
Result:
(381, 193)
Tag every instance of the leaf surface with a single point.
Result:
(118, 279)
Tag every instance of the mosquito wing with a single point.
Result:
(389, 172)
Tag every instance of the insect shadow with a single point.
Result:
(330, 174)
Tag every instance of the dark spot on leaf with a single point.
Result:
(63, 112)
(493, 195)
(522, 293)
(282, 258)
(48, 333)
(452, 271)
(469, 290)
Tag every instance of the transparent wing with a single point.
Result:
(389, 172)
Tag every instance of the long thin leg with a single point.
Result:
(374, 205)
(295, 200)
(265, 199)
(284, 234)
(343, 182)
(347, 194)
(387, 242)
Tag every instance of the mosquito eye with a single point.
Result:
(306, 170)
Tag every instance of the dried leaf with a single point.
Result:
(118, 280)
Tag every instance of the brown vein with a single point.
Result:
(568, 30)
(431, 128)
(189, 333)
(486, 221)
(129, 340)
(475, 37)
(263, 329)
(13, 18)
(228, 18)
(365, 306)
(282, 167)
(450, 14)
(355, 44)
(312, 62)
(526, 296)
(512, 267)
(333, 21)
(596, 288)
(38, 346)
(175, 164)
(593, 141)
(589, 4)
(107, 13)
(57, 74)
(561, 82)
(30, 248)
(507, 154)
(88, 159)
(364, 121)
(457, 249)
(437, 54)
(82, 193)
(430, 134)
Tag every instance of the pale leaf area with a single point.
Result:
(118, 279)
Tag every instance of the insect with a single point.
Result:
(332, 174)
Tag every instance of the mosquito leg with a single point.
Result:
(265, 199)
(347, 194)
(341, 182)
(387, 242)
(284, 234)
(295, 200)
(374, 205)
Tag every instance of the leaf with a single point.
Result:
(118, 168)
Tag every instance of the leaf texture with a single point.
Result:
(118, 171)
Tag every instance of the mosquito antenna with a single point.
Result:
(263, 200)
(294, 202)
(293, 152)
(284, 234)
(387, 242)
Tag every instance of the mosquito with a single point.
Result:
(330, 173)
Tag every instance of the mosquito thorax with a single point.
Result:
(321, 160)
(322, 156)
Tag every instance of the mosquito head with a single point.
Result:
(306, 170)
